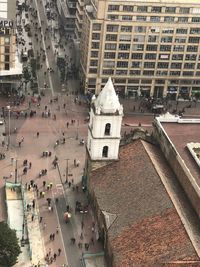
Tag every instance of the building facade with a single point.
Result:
(67, 12)
(149, 48)
(10, 67)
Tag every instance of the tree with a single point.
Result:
(9, 247)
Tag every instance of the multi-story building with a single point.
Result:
(67, 12)
(10, 67)
(79, 18)
(149, 48)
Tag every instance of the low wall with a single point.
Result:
(181, 171)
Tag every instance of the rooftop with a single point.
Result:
(180, 135)
(143, 217)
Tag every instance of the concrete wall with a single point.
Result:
(183, 174)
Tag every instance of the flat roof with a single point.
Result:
(180, 135)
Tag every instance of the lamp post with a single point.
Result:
(67, 170)
(77, 130)
(8, 107)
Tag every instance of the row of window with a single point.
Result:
(150, 38)
(147, 72)
(153, 18)
(153, 9)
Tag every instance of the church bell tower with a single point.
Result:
(104, 129)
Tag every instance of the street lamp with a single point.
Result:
(8, 107)
(77, 130)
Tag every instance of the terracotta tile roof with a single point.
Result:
(143, 232)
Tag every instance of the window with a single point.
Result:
(192, 48)
(7, 49)
(164, 56)
(108, 72)
(109, 64)
(168, 30)
(137, 56)
(176, 65)
(179, 48)
(112, 28)
(152, 47)
(190, 57)
(138, 47)
(121, 72)
(194, 40)
(139, 38)
(124, 47)
(7, 40)
(140, 29)
(161, 72)
(189, 65)
(196, 19)
(113, 17)
(120, 80)
(7, 66)
(96, 26)
(110, 46)
(174, 73)
(141, 18)
(184, 10)
(107, 129)
(148, 72)
(180, 40)
(92, 70)
(155, 19)
(135, 72)
(136, 64)
(7, 58)
(96, 36)
(165, 48)
(142, 9)
(95, 45)
(113, 7)
(177, 57)
(167, 39)
(125, 38)
(146, 81)
(105, 152)
(122, 64)
(169, 19)
(94, 53)
(149, 65)
(188, 73)
(195, 31)
(111, 37)
(127, 17)
(126, 29)
(163, 65)
(156, 9)
(109, 55)
(170, 10)
(181, 31)
(150, 56)
(152, 38)
(182, 19)
(128, 8)
(123, 55)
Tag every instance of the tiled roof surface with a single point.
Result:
(147, 228)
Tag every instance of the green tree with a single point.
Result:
(9, 247)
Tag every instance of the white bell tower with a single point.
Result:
(104, 129)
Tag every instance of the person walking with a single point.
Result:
(38, 134)
(59, 251)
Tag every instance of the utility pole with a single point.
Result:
(67, 170)
(15, 171)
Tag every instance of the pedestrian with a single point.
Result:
(59, 251)
(22, 139)
(54, 256)
(40, 219)
(57, 230)
(32, 217)
(44, 183)
(79, 245)
(53, 236)
(50, 237)
(30, 165)
(82, 225)
(43, 194)
(92, 240)
(51, 185)
(19, 144)
(69, 183)
(38, 134)
(33, 203)
(73, 240)
(87, 246)
(67, 124)
(74, 162)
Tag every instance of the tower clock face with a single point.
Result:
(7, 40)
